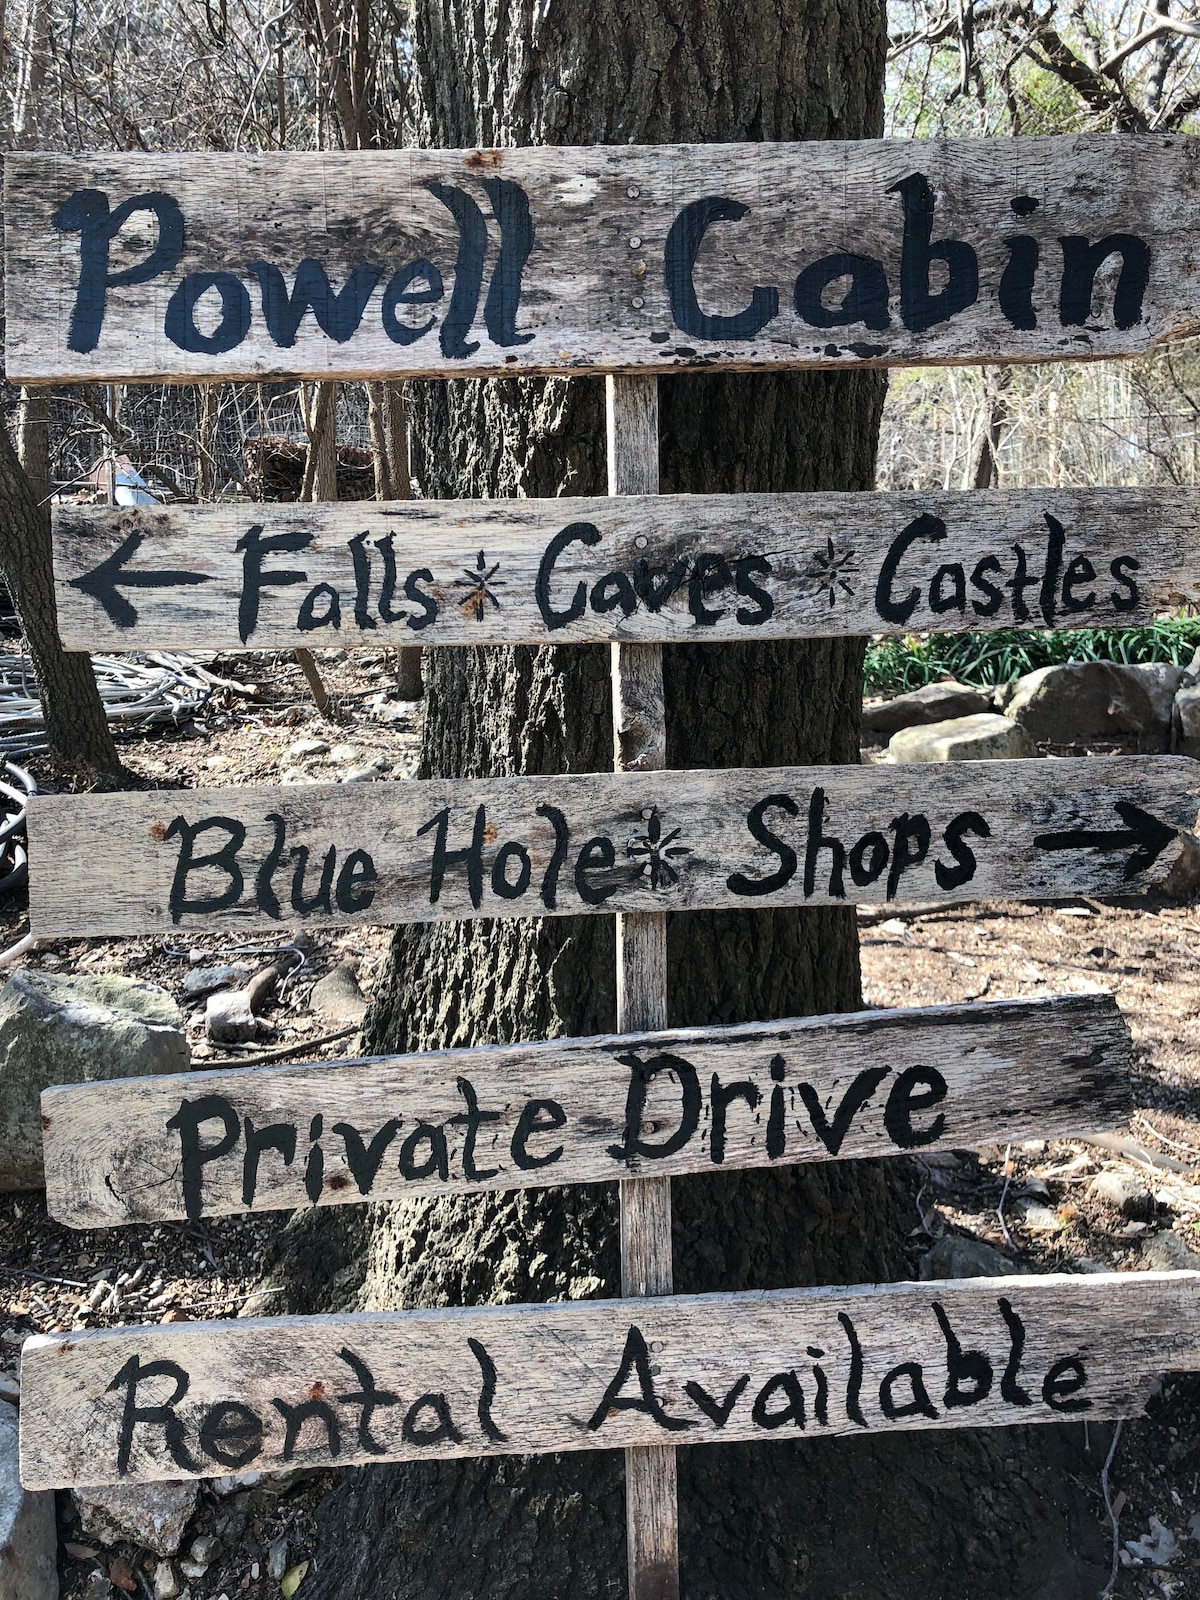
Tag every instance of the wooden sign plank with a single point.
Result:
(604, 842)
(584, 1110)
(645, 568)
(202, 1399)
(407, 262)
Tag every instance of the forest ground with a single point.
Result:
(1032, 1203)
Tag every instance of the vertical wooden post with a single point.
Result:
(640, 745)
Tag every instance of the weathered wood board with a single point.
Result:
(657, 569)
(605, 842)
(565, 260)
(206, 1398)
(584, 1110)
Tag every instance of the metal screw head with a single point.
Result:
(633, 191)
(641, 541)
(637, 302)
(635, 242)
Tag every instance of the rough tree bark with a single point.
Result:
(885, 1518)
(76, 728)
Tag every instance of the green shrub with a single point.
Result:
(986, 659)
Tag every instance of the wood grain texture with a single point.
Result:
(559, 845)
(640, 745)
(998, 1070)
(601, 1374)
(666, 570)
(559, 260)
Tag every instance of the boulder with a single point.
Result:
(338, 995)
(59, 1029)
(956, 1256)
(229, 1017)
(28, 1535)
(1185, 721)
(985, 737)
(154, 1515)
(1085, 700)
(936, 702)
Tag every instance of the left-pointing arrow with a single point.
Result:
(105, 582)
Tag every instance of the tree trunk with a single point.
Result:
(389, 444)
(756, 1520)
(76, 728)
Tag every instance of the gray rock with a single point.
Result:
(936, 702)
(204, 1550)
(98, 1588)
(362, 775)
(957, 1257)
(1126, 1192)
(229, 1019)
(203, 981)
(74, 1030)
(345, 755)
(155, 1515)
(166, 1584)
(1039, 1217)
(277, 1553)
(986, 737)
(305, 749)
(338, 995)
(28, 1536)
(1185, 721)
(1085, 700)
(1166, 1252)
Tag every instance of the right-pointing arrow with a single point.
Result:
(105, 582)
(1144, 836)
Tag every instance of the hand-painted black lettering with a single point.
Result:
(968, 1372)
(777, 1118)
(1016, 281)
(471, 855)
(867, 859)
(304, 905)
(854, 1381)
(468, 271)
(721, 1097)
(539, 1116)
(654, 586)
(1055, 545)
(917, 1405)
(717, 1411)
(364, 1160)
(786, 1384)
(679, 262)
(294, 1418)
(710, 575)
(472, 1119)
(87, 213)
(635, 1357)
(487, 1392)
(1021, 580)
(919, 309)
(337, 315)
(428, 604)
(370, 1398)
(179, 321)
(255, 578)
(353, 892)
(280, 1136)
(948, 591)
(597, 855)
(162, 1416)
(915, 1089)
(613, 590)
(510, 207)
(641, 1075)
(442, 1427)
(887, 605)
(909, 849)
(1079, 571)
(225, 860)
(954, 836)
(314, 1162)
(310, 619)
(437, 1159)
(738, 882)
(400, 292)
(1065, 1379)
(574, 533)
(995, 596)
(1010, 1389)
(194, 1156)
(817, 840)
(865, 300)
(362, 583)
(833, 1134)
(231, 1433)
(1120, 570)
(1082, 261)
(743, 576)
(503, 886)
(562, 840)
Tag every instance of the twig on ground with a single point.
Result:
(40, 1277)
(290, 1049)
(1175, 1144)
(1008, 1239)
(1113, 1516)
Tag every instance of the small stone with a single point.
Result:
(1039, 1218)
(166, 1584)
(338, 995)
(154, 1515)
(205, 1549)
(957, 1257)
(1165, 1251)
(228, 1018)
(1126, 1192)
(345, 755)
(28, 1536)
(277, 1553)
(203, 981)
(80, 1552)
(232, 1482)
(305, 749)
(255, 1571)
(10, 1388)
(986, 737)
(362, 775)
(98, 1588)
(193, 1569)
(1086, 1265)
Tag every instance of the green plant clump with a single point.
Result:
(986, 659)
